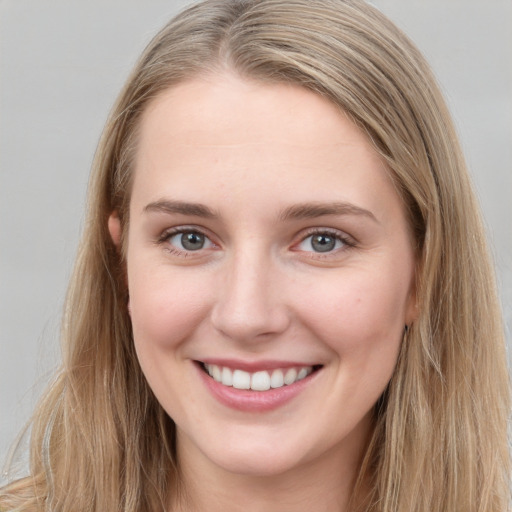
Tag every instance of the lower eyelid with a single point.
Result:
(309, 247)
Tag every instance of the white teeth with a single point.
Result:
(257, 381)
(217, 373)
(277, 379)
(260, 381)
(290, 376)
(241, 379)
(227, 377)
(303, 372)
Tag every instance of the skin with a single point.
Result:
(259, 290)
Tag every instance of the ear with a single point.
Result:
(114, 228)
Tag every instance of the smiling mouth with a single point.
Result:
(263, 380)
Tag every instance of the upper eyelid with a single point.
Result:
(185, 229)
(342, 235)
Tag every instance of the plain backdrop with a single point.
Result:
(62, 63)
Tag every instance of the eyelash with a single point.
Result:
(167, 235)
(347, 241)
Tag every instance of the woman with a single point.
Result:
(283, 298)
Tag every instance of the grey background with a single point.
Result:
(62, 63)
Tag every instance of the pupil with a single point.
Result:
(192, 241)
(323, 243)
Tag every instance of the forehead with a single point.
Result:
(220, 136)
(219, 108)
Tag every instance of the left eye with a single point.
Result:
(190, 241)
(321, 242)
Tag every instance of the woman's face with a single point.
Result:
(267, 247)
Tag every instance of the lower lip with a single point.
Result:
(254, 401)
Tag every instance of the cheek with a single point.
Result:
(165, 312)
(165, 307)
(358, 314)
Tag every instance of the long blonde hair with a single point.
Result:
(100, 440)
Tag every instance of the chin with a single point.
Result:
(264, 457)
(262, 464)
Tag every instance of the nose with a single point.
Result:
(250, 304)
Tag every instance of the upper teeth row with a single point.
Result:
(257, 381)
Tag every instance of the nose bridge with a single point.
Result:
(249, 303)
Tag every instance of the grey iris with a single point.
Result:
(192, 241)
(323, 243)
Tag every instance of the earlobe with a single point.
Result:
(412, 312)
(114, 228)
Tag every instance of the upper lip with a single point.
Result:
(255, 366)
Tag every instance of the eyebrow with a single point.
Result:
(171, 206)
(295, 212)
(313, 210)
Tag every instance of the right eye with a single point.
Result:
(187, 240)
